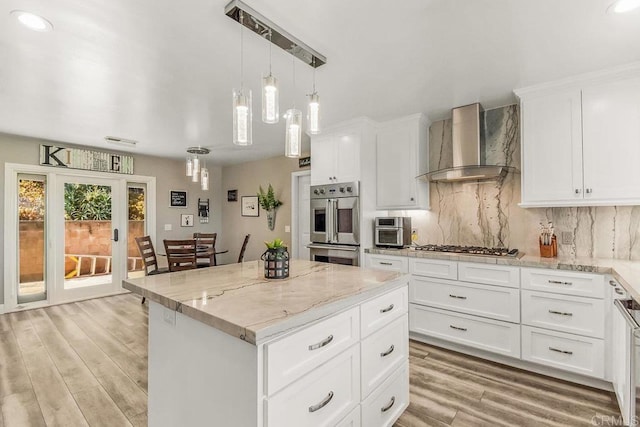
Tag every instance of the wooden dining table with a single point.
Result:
(202, 251)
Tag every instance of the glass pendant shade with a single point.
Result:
(196, 165)
(313, 114)
(242, 117)
(189, 166)
(194, 177)
(293, 133)
(204, 178)
(270, 108)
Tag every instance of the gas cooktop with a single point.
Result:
(472, 250)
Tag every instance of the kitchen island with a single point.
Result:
(327, 346)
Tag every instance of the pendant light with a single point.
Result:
(313, 107)
(293, 126)
(270, 107)
(204, 178)
(193, 162)
(242, 114)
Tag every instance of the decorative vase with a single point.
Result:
(276, 263)
(271, 219)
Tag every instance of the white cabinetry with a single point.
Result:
(402, 155)
(621, 358)
(335, 153)
(387, 262)
(581, 140)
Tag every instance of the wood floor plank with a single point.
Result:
(99, 409)
(132, 364)
(14, 377)
(125, 393)
(412, 418)
(56, 402)
(74, 372)
(5, 325)
(21, 409)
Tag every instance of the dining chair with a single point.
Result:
(149, 258)
(206, 249)
(244, 247)
(181, 254)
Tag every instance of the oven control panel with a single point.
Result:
(330, 191)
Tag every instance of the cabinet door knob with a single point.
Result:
(412, 199)
(589, 190)
(577, 191)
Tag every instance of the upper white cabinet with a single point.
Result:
(336, 155)
(611, 140)
(581, 141)
(402, 155)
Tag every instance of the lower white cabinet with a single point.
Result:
(385, 405)
(352, 419)
(621, 360)
(384, 352)
(380, 311)
(321, 398)
(387, 262)
(569, 352)
(576, 315)
(486, 334)
(495, 302)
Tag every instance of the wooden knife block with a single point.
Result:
(549, 251)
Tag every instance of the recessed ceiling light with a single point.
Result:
(623, 6)
(32, 21)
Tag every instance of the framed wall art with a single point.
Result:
(250, 206)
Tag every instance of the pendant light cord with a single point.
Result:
(314, 74)
(241, 51)
(270, 44)
(293, 61)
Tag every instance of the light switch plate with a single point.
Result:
(167, 227)
(567, 237)
(287, 229)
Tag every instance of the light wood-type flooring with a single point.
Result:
(86, 364)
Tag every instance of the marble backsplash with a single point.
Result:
(487, 213)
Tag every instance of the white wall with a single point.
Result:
(169, 175)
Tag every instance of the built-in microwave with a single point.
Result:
(392, 232)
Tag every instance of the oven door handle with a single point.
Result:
(330, 221)
(334, 247)
(334, 231)
(631, 321)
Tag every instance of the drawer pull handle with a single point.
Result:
(457, 296)
(385, 263)
(387, 309)
(322, 343)
(457, 328)
(388, 352)
(619, 291)
(560, 313)
(559, 282)
(322, 403)
(612, 283)
(557, 350)
(388, 406)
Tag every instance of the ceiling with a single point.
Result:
(162, 71)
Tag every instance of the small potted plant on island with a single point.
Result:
(276, 260)
(269, 203)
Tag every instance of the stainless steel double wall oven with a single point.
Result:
(335, 223)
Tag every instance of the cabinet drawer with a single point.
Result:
(351, 420)
(384, 352)
(495, 302)
(293, 356)
(388, 262)
(563, 282)
(321, 398)
(488, 274)
(486, 334)
(387, 402)
(576, 315)
(383, 309)
(563, 351)
(437, 268)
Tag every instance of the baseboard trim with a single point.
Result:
(516, 363)
(1, 308)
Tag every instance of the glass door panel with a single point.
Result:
(90, 213)
(32, 210)
(137, 227)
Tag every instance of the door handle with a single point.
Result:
(115, 235)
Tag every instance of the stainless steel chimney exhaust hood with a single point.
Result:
(469, 153)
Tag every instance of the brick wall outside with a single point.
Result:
(81, 238)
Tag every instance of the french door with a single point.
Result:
(70, 235)
(90, 227)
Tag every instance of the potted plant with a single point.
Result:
(276, 260)
(269, 203)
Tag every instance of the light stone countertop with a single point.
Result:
(238, 300)
(624, 271)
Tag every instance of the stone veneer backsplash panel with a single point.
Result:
(487, 213)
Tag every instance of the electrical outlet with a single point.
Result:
(414, 234)
(167, 227)
(567, 237)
